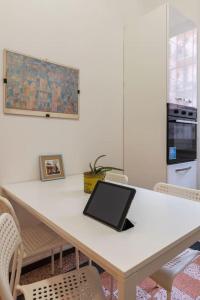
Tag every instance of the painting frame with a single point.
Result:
(51, 167)
(37, 113)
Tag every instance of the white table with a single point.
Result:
(164, 226)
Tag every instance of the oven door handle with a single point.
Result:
(183, 169)
(186, 122)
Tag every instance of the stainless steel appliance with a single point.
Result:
(181, 134)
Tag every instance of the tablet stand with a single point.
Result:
(127, 225)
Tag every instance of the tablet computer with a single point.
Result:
(109, 203)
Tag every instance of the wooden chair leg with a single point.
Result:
(77, 259)
(61, 257)
(111, 287)
(90, 262)
(52, 262)
(168, 295)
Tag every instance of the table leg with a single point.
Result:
(127, 288)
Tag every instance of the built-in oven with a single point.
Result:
(181, 134)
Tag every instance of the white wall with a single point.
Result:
(85, 34)
(88, 34)
(190, 8)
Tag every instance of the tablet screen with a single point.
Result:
(109, 203)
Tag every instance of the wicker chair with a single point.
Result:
(178, 191)
(37, 239)
(166, 275)
(81, 284)
(115, 177)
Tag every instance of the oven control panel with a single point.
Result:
(181, 111)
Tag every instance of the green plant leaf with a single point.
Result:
(109, 167)
(91, 168)
(117, 169)
(99, 169)
(97, 159)
(106, 169)
(102, 170)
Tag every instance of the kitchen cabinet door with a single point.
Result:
(182, 59)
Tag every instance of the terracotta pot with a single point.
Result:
(90, 180)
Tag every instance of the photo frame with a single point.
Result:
(51, 167)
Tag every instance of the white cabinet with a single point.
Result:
(146, 91)
(182, 84)
(145, 99)
(182, 62)
(184, 174)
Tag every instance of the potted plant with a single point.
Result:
(95, 174)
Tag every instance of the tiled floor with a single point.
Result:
(186, 286)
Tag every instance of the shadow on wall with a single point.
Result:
(146, 6)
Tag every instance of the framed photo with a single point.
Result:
(51, 167)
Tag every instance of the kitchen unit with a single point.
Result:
(182, 101)
(181, 134)
(182, 59)
(184, 174)
(158, 70)
(182, 145)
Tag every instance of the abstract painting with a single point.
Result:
(38, 87)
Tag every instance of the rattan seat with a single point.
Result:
(165, 276)
(178, 191)
(116, 177)
(37, 239)
(82, 284)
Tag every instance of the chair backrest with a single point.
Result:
(6, 207)
(178, 191)
(119, 178)
(11, 250)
